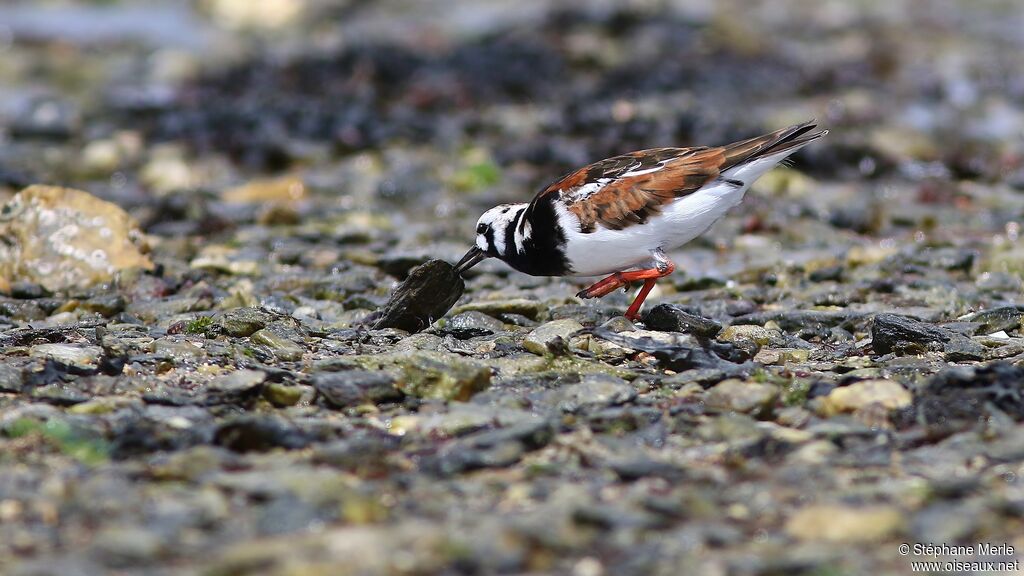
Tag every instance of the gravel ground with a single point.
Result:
(189, 384)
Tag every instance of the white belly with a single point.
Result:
(604, 251)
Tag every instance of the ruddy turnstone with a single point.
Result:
(619, 216)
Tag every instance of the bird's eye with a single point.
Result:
(481, 228)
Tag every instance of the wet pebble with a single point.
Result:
(354, 387)
(739, 396)
(542, 337)
(671, 318)
(443, 376)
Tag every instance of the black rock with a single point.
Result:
(354, 387)
(27, 291)
(252, 433)
(828, 273)
(962, 396)
(671, 318)
(1004, 318)
(490, 449)
(679, 357)
(892, 333)
(426, 295)
(634, 469)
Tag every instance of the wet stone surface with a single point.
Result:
(272, 368)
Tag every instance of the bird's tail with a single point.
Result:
(785, 139)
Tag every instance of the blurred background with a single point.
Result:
(430, 111)
(289, 161)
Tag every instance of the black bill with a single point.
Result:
(472, 258)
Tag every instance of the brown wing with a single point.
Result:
(629, 189)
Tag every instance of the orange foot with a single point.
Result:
(608, 285)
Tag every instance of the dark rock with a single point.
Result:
(826, 274)
(491, 449)
(964, 396)
(426, 295)
(28, 291)
(672, 318)
(364, 455)
(892, 333)
(1004, 318)
(254, 433)
(354, 387)
(106, 305)
(637, 468)
(680, 357)
(622, 418)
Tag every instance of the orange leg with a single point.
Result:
(663, 267)
(633, 313)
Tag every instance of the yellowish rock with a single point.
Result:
(287, 189)
(62, 238)
(845, 524)
(888, 394)
(782, 356)
(758, 334)
(742, 396)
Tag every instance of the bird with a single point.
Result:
(619, 216)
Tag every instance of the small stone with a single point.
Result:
(1000, 319)
(671, 318)
(11, 379)
(751, 333)
(596, 390)
(242, 321)
(257, 433)
(125, 546)
(443, 376)
(893, 333)
(845, 524)
(619, 324)
(70, 354)
(473, 323)
(782, 356)
(354, 387)
(740, 396)
(106, 306)
(283, 348)
(287, 189)
(859, 395)
(101, 405)
(537, 340)
(281, 395)
(239, 382)
(177, 349)
(532, 309)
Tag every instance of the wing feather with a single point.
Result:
(625, 190)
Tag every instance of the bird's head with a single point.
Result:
(491, 233)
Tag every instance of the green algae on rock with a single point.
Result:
(443, 376)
